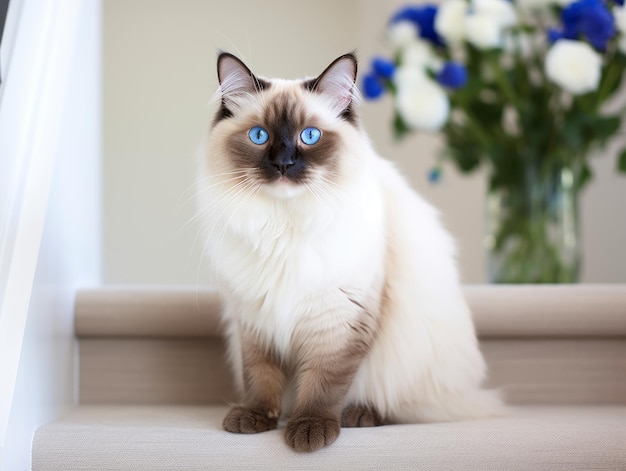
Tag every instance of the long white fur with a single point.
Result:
(285, 256)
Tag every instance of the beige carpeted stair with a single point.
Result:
(154, 387)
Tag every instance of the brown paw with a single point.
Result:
(360, 416)
(311, 433)
(242, 419)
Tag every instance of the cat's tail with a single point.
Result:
(449, 407)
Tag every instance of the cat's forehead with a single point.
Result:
(285, 100)
(291, 100)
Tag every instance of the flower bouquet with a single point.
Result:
(517, 87)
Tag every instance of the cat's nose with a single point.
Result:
(283, 163)
(283, 168)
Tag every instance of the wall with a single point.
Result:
(159, 75)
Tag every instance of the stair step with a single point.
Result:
(500, 311)
(191, 438)
(543, 344)
(147, 312)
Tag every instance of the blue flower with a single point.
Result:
(423, 16)
(555, 34)
(384, 68)
(373, 87)
(434, 175)
(588, 18)
(453, 75)
(599, 27)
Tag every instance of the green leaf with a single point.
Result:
(466, 159)
(621, 162)
(462, 147)
(585, 176)
(606, 127)
(611, 78)
(400, 129)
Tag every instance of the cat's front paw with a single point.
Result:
(311, 433)
(360, 416)
(241, 419)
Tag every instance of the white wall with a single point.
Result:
(159, 73)
(69, 254)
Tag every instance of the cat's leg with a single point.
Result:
(325, 372)
(264, 383)
(356, 415)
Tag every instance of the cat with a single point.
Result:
(342, 301)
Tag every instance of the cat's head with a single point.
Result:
(284, 135)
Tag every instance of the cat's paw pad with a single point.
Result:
(311, 433)
(360, 416)
(242, 419)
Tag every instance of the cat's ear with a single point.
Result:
(235, 78)
(337, 82)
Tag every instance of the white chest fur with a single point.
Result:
(286, 261)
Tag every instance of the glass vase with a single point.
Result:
(532, 228)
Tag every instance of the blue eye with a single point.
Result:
(310, 136)
(258, 135)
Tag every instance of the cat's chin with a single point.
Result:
(284, 189)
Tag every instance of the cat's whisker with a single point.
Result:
(326, 178)
(323, 197)
(218, 180)
(206, 209)
(203, 180)
(219, 200)
(252, 189)
(311, 191)
(330, 184)
(206, 188)
(230, 41)
(330, 188)
(200, 213)
(242, 195)
(207, 221)
(258, 102)
(226, 199)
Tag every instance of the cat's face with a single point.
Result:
(283, 135)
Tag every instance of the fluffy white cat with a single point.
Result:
(339, 282)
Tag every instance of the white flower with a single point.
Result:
(449, 22)
(619, 13)
(574, 66)
(416, 53)
(420, 101)
(407, 77)
(500, 11)
(485, 23)
(482, 31)
(420, 54)
(401, 34)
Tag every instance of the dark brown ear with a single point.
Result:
(235, 78)
(337, 82)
